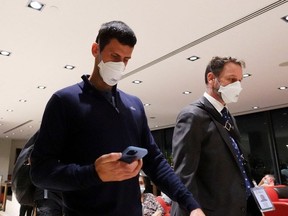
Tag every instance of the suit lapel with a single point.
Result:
(217, 119)
(204, 104)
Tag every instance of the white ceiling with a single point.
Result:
(168, 32)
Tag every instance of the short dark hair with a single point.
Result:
(118, 30)
(217, 63)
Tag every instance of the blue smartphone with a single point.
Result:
(132, 153)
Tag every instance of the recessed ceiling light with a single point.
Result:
(246, 75)
(146, 104)
(137, 81)
(69, 67)
(9, 110)
(283, 87)
(285, 18)
(255, 107)
(186, 92)
(5, 53)
(41, 87)
(283, 64)
(193, 58)
(36, 5)
(22, 100)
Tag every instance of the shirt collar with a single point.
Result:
(108, 95)
(85, 78)
(217, 105)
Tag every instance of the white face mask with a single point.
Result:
(230, 93)
(142, 189)
(111, 72)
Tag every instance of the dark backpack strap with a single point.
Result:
(215, 116)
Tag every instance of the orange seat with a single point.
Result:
(280, 203)
(281, 209)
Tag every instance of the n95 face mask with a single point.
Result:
(230, 93)
(142, 189)
(111, 72)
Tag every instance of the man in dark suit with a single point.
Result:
(206, 146)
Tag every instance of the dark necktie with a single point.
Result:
(240, 158)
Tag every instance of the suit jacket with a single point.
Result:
(206, 163)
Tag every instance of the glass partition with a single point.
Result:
(256, 141)
(264, 137)
(280, 125)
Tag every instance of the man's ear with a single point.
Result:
(95, 49)
(210, 77)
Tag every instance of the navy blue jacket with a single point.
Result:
(78, 126)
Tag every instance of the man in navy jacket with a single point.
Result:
(84, 129)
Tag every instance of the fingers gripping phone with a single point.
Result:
(132, 153)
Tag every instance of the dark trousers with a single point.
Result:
(252, 208)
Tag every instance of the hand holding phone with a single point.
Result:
(133, 153)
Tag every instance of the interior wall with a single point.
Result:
(8, 155)
(5, 150)
(14, 145)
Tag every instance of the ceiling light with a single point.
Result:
(9, 110)
(186, 92)
(255, 107)
(283, 64)
(41, 87)
(5, 53)
(22, 100)
(146, 104)
(285, 18)
(137, 81)
(193, 58)
(36, 5)
(69, 67)
(246, 75)
(283, 87)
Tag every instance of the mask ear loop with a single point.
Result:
(218, 82)
(218, 87)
